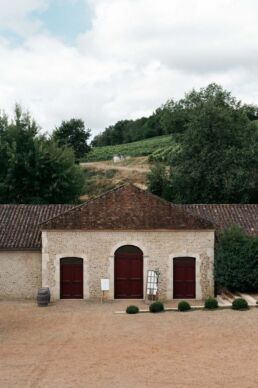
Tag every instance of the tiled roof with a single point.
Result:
(19, 224)
(124, 208)
(225, 215)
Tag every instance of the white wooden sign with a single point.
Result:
(152, 283)
(104, 284)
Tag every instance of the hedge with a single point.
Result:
(236, 261)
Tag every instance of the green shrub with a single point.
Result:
(183, 306)
(239, 304)
(132, 309)
(156, 307)
(211, 304)
(236, 261)
(158, 179)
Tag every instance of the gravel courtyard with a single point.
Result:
(81, 344)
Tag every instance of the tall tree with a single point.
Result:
(72, 133)
(217, 160)
(34, 169)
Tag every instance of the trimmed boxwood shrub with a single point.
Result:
(183, 306)
(239, 304)
(132, 309)
(156, 307)
(211, 303)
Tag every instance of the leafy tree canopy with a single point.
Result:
(217, 157)
(236, 261)
(34, 169)
(127, 131)
(176, 115)
(158, 180)
(171, 118)
(73, 134)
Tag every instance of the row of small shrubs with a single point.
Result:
(209, 304)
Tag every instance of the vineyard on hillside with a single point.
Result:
(156, 147)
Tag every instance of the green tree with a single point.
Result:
(217, 160)
(174, 117)
(158, 180)
(127, 131)
(72, 133)
(34, 169)
(251, 111)
(236, 261)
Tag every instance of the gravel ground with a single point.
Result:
(81, 344)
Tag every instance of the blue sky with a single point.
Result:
(66, 19)
(63, 19)
(13, 38)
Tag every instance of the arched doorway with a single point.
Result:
(128, 272)
(184, 280)
(71, 278)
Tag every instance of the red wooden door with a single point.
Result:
(129, 273)
(71, 278)
(184, 277)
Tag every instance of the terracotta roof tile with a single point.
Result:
(124, 208)
(19, 224)
(225, 215)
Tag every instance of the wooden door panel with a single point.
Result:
(136, 289)
(129, 275)
(136, 268)
(184, 278)
(71, 280)
(122, 288)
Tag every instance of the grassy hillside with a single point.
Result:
(101, 176)
(139, 148)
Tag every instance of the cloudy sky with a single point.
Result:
(105, 60)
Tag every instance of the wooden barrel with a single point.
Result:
(43, 291)
(43, 296)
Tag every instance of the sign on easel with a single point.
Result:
(104, 283)
(152, 283)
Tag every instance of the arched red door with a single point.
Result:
(184, 277)
(128, 273)
(71, 278)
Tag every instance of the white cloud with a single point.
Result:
(137, 54)
(15, 15)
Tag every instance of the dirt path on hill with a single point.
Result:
(105, 166)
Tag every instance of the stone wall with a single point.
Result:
(20, 274)
(97, 249)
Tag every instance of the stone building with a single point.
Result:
(120, 236)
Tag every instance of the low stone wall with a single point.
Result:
(20, 274)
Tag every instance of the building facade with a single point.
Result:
(119, 236)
